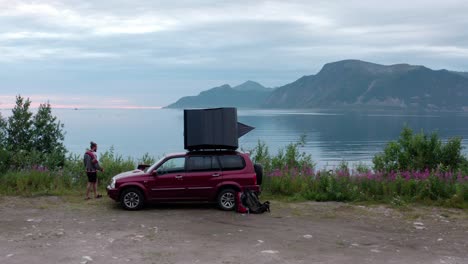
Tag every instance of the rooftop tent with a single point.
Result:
(215, 128)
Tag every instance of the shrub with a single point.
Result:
(289, 159)
(419, 152)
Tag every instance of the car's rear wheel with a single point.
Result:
(132, 199)
(227, 199)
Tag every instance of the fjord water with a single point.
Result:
(331, 136)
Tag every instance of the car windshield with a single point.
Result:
(150, 168)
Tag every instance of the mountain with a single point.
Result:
(354, 83)
(348, 84)
(247, 95)
(464, 74)
(251, 86)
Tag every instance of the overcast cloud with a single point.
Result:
(150, 53)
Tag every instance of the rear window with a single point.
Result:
(232, 162)
(202, 163)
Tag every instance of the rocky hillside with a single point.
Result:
(358, 83)
(247, 95)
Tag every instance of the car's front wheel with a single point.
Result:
(227, 199)
(132, 199)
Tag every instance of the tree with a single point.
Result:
(20, 127)
(3, 132)
(4, 156)
(48, 135)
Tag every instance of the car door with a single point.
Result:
(202, 176)
(167, 183)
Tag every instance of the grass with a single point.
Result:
(396, 189)
(290, 176)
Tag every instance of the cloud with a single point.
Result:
(81, 102)
(98, 22)
(166, 49)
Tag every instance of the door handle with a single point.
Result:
(179, 177)
(215, 175)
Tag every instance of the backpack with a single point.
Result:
(254, 206)
(240, 206)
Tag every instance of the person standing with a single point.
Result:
(91, 164)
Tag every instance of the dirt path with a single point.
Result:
(68, 230)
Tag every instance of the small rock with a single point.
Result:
(355, 245)
(111, 240)
(419, 227)
(10, 255)
(260, 241)
(88, 258)
(139, 236)
(28, 235)
(375, 250)
(270, 251)
(142, 226)
(240, 230)
(439, 239)
(308, 236)
(418, 223)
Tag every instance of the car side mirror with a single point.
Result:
(154, 173)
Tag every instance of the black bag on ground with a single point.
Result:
(250, 200)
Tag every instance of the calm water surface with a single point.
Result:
(331, 136)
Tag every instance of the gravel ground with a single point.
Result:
(69, 230)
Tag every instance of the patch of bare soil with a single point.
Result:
(69, 230)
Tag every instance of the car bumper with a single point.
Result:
(113, 193)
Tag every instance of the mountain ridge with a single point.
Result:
(348, 83)
(249, 94)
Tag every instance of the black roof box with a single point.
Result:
(214, 128)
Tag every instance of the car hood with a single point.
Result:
(127, 174)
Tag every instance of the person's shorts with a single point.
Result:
(92, 176)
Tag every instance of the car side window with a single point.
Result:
(172, 165)
(202, 163)
(232, 162)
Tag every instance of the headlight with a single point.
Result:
(112, 184)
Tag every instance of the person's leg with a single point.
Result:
(96, 194)
(88, 188)
(95, 189)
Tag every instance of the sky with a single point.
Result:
(147, 54)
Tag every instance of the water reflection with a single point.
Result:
(351, 136)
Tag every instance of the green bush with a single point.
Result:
(289, 158)
(420, 152)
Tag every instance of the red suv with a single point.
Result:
(213, 176)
